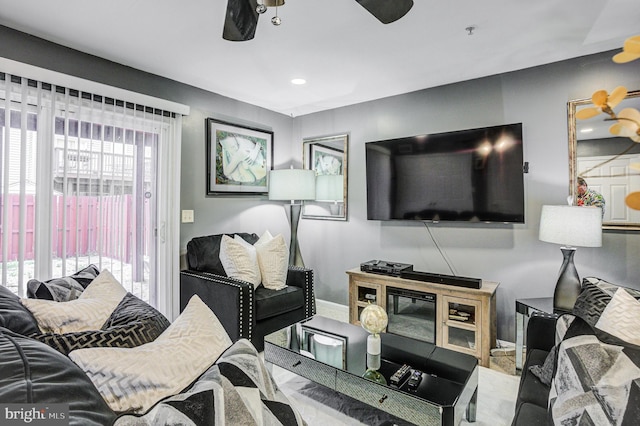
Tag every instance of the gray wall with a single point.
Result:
(511, 255)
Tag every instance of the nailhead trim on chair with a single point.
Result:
(308, 276)
(212, 277)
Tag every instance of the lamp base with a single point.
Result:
(375, 376)
(568, 286)
(295, 257)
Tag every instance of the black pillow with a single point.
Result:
(203, 253)
(62, 289)
(133, 323)
(14, 315)
(33, 374)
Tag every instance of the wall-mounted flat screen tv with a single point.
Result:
(471, 175)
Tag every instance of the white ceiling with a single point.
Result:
(345, 54)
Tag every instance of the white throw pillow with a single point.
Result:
(239, 259)
(134, 379)
(620, 316)
(88, 312)
(273, 258)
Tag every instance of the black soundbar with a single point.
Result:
(442, 279)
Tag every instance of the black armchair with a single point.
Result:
(244, 311)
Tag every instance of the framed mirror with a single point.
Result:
(328, 157)
(604, 161)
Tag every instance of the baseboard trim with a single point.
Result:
(332, 310)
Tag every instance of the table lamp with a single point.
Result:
(571, 226)
(374, 319)
(294, 185)
(330, 188)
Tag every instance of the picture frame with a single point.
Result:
(326, 160)
(238, 158)
(327, 156)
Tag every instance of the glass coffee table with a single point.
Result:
(333, 354)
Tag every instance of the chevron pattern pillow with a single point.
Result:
(620, 318)
(86, 313)
(134, 379)
(594, 298)
(236, 390)
(133, 323)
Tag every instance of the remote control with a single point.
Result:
(415, 379)
(399, 376)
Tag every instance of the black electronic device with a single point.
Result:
(473, 175)
(400, 376)
(442, 279)
(414, 380)
(385, 267)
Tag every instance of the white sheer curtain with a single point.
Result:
(88, 179)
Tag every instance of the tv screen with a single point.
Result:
(471, 175)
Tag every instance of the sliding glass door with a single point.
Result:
(79, 181)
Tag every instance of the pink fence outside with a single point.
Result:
(92, 225)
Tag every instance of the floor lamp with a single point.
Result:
(295, 185)
(571, 226)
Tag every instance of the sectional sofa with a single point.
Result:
(135, 368)
(583, 367)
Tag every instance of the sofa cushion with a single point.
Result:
(88, 312)
(236, 390)
(270, 303)
(33, 373)
(203, 253)
(14, 315)
(528, 414)
(62, 289)
(134, 379)
(532, 389)
(133, 323)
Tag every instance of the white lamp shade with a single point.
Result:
(292, 184)
(571, 225)
(330, 188)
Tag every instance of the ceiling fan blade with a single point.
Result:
(387, 11)
(241, 20)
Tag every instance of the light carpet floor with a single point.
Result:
(319, 406)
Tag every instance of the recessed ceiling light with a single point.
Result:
(586, 130)
(298, 81)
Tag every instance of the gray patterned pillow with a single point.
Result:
(62, 289)
(595, 297)
(236, 390)
(132, 323)
(134, 379)
(545, 371)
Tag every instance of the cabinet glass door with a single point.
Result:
(461, 317)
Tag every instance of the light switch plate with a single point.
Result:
(187, 216)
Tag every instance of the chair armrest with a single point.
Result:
(541, 331)
(303, 278)
(231, 300)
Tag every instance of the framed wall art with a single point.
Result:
(238, 158)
